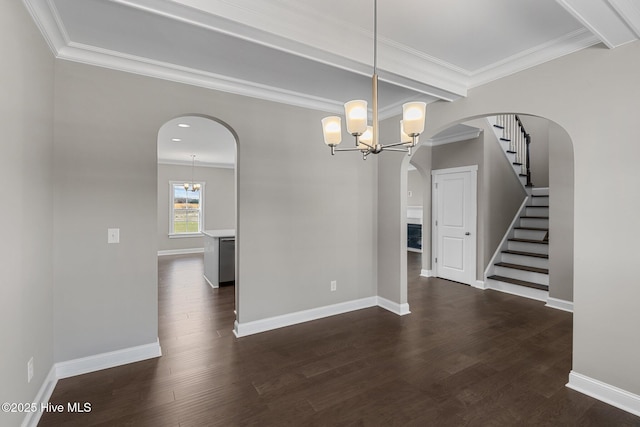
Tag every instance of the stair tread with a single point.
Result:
(532, 254)
(498, 126)
(534, 217)
(531, 228)
(537, 206)
(539, 195)
(519, 282)
(511, 152)
(523, 267)
(544, 242)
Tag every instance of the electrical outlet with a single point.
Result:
(30, 370)
(113, 235)
(334, 285)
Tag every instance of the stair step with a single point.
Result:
(511, 152)
(544, 242)
(539, 195)
(517, 163)
(532, 254)
(523, 267)
(531, 228)
(519, 282)
(534, 217)
(498, 126)
(505, 139)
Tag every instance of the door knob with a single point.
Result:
(467, 234)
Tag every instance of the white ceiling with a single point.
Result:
(318, 54)
(212, 143)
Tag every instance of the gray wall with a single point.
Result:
(561, 215)
(606, 200)
(538, 128)
(502, 190)
(219, 202)
(299, 227)
(26, 118)
(414, 185)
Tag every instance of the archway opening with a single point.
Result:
(500, 201)
(197, 205)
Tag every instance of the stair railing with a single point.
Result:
(519, 142)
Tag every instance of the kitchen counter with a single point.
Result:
(212, 254)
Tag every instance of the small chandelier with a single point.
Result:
(366, 137)
(192, 187)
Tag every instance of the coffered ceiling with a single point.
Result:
(318, 54)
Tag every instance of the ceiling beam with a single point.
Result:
(602, 19)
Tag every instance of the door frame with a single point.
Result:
(473, 172)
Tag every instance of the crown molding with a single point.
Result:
(537, 55)
(456, 137)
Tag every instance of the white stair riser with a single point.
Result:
(536, 248)
(522, 291)
(534, 222)
(529, 276)
(529, 261)
(536, 211)
(530, 234)
(539, 201)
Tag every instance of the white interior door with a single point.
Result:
(454, 224)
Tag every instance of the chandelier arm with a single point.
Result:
(396, 144)
(403, 150)
(350, 149)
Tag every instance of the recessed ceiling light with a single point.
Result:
(183, 125)
(176, 139)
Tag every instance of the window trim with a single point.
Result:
(172, 233)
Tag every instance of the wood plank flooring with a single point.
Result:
(464, 357)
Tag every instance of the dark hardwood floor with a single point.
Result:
(464, 357)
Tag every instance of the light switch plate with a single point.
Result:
(113, 235)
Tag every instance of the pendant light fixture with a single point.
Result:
(366, 137)
(192, 187)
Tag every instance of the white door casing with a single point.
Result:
(454, 205)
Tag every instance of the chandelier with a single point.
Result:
(192, 187)
(366, 137)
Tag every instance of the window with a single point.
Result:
(187, 210)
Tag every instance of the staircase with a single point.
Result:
(521, 264)
(522, 267)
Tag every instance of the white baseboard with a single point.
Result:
(85, 365)
(263, 325)
(521, 291)
(426, 273)
(270, 323)
(560, 304)
(479, 284)
(111, 359)
(210, 284)
(181, 251)
(43, 397)
(394, 307)
(607, 393)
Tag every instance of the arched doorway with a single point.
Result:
(197, 195)
(493, 222)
